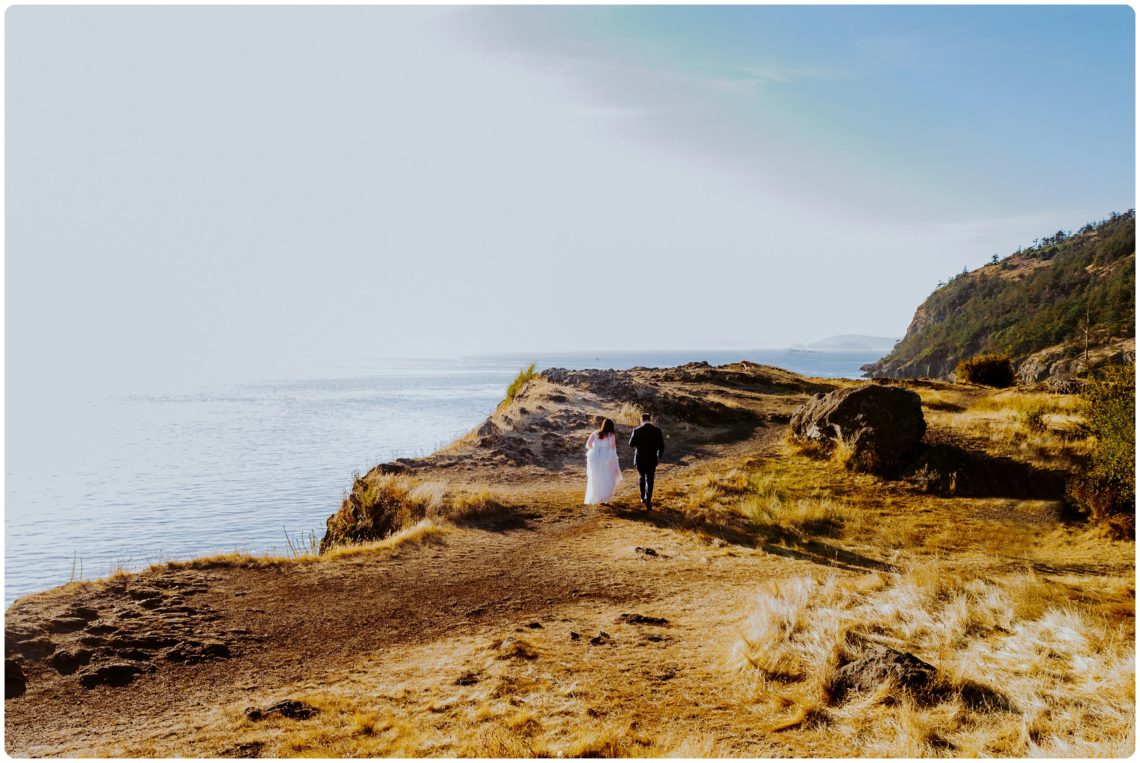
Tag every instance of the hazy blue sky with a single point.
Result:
(259, 191)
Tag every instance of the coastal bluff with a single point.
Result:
(117, 642)
(481, 610)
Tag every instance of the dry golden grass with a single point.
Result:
(944, 399)
(445, 502)
(1039, 428)
(424, 532)
(764, 492)
(1021, 401)
(629, 415)
(1061, 673)
(770, 503)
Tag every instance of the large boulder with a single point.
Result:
(879, 427)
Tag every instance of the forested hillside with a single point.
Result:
(1040, 306)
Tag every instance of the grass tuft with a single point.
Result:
(516, 386)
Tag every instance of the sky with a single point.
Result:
(261, 192)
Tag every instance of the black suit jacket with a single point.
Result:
(648, 446)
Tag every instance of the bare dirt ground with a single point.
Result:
(513, 637)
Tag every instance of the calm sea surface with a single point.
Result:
(133, 479)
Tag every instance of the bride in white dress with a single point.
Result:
(602, 471)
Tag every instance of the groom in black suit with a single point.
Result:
(648, 446)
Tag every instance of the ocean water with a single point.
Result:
(134, 478)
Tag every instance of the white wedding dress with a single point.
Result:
(602, 471)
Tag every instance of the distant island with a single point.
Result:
(851, 342)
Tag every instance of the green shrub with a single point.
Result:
(1110, 409)
(988, 370)
(524, 376)
(1107, 492)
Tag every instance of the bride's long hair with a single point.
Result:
(606, 429)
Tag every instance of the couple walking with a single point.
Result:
(602, 471)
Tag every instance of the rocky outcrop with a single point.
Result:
(882, 668)
(891, 673)
(115, 633)
(115, 674)
(879, 426)
(545, 426)
(1067, 361)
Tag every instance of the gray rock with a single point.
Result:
(287, 708)
(881, 666)
(636, 619)
(1064, 385)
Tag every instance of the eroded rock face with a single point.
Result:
(881, 425)
(68, 662)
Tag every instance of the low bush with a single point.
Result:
(987, 370)
(1107, 491)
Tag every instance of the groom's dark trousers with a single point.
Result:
(648, 446)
